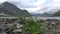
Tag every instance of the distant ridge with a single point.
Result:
(57, 13)
(12, 10)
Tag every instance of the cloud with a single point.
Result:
(53, 5)
(30, 5)
(36, 6)
(1, 1)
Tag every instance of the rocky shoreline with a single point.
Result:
(13, 26)
(10, 26)
(51, 26)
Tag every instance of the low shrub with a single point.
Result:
(32, 27)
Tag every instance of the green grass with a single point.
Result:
(31, 27)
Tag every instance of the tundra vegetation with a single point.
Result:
(21, 25)
(30, 26)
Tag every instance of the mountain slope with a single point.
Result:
(57, 13)
(12, 10)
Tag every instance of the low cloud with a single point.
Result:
(36, 6)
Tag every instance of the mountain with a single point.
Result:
(43, 15)
(57, 13)
(11, 10)
(50, 13)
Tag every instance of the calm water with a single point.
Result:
(44, 18)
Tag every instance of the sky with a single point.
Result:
(36, 6)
